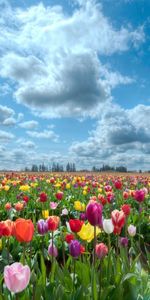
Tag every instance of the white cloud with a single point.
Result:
(29, 124)
(120, 137)
(5, 113)
(9, 122)
(53, 58)
(46, 134)
(6, 136)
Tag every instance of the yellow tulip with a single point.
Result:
(79, 206)
(68, 186)
(84, 193)
(45, 213)
(6, 187)
(87, 232)
(24, 188)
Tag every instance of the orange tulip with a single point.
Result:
(23, 230)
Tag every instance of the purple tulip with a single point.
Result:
(42, 227)
(83, 217)
(75, 248)
(94, 213)
(52, 250)
(124, 241)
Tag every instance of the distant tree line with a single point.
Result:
(105, 168)
(55, 167)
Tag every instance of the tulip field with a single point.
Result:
(73, 236)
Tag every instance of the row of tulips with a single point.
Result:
(74, 237)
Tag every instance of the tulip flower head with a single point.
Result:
(139, 195)
(43, 197)
(94, 213)
(69, 237)
(124, 241)
(16, 277)
(23, 230)
(52, 250)
(53, 223)
(75, 225)
(59, 195)
(101, 250)
(108, 226)
(132, 230)
(118, 220)
(8, 206)
(75, 248)
(42, 226)
(126, 208)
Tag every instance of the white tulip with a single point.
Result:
(108, 226)
(132, 230)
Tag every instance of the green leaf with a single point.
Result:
(128, 276)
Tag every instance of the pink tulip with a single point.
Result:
(53, 205)
(101, 250)
(16, 277)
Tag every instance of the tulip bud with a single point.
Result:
(75, 248)
(124, 241)
(101, 250)
(126, 208)
(108, 226)
(94, 213)
(42, 227)
(139, 195)
(43, 197)
(52, 250)
(132, 230)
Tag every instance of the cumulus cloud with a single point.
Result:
(6, 136)
(119, 138)
(29, 124)
(59, 77)
(5, 113)
(45, 134)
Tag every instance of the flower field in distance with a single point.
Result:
(74, 236)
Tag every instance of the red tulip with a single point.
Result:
(59, 195)
(6, 228)
(75, 225)
(126, 208)
(43, 197)
(53, 222)
(69, 238)
(118, 184)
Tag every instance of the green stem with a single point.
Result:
(8, 246)
(94, 253)
(63, 251)
(100, 279)
(24, 253)
(52, 248)
(74, 269)
(30, 253)
(109, 242)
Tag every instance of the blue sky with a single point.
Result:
(74, 83)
